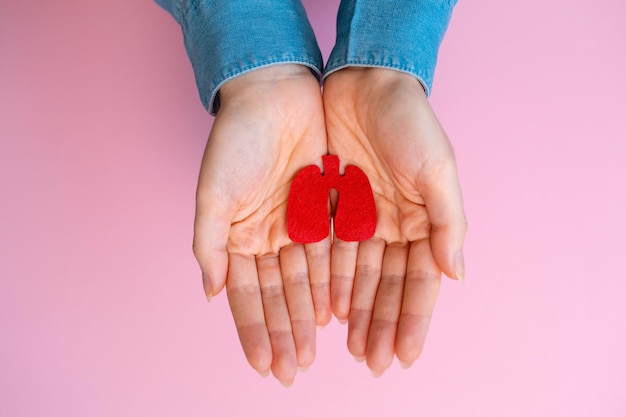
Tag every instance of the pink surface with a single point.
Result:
(101, 304)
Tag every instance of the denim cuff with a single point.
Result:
(400, 34)
(227, 38)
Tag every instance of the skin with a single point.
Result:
(378, 120)
(277, 290)
(381, 121)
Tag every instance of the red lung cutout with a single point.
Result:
(307, 206)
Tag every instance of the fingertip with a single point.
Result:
(217, 270)
(283, 375)
(208, 287)
(260, 362)
(340, 304)
(380, 349)
(453, 269)
(343, 269)
(459, 266)
(341, 311)
(408, 354)
(287, 383)
(323, 310)
(323, 318)
(449, 259)
(214, 282)
(449, 225)
(358, 330)
(305, 356)
(209, 248)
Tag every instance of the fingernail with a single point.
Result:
(303, 369)
(405, 365)
(286, 384)
(208, 290)
(459, 265)
(359, 358)
(321, 327)
(264, 373)
(342, 321)
(377, 374)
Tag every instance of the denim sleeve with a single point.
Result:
(227, 38)
(401, 34)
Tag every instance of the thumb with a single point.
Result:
(210, 242)
(444, 203)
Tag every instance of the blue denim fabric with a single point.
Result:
(227, 38)
(401, 34)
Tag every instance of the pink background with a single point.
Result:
(101, 307)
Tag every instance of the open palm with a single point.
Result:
(381, 121)
(270, 125)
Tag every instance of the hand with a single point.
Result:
(269, 126)
(380, 120)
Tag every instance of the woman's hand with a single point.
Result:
(380, 120)
(269, 126)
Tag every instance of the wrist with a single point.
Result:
(374, 83)
(377, 75)
(264, 80)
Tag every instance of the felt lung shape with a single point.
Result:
(307, 206)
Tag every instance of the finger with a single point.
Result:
(318, 259)
(444, 203)
(366, 280)
(293, 266)
(382, 334)
(210, 241)
(423, 279)
(244, 297)
(284, 364)
(342, 269)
